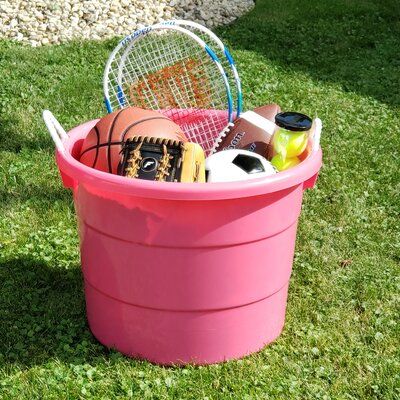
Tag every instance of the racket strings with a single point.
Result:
(169, 72)
(175, 70)
(222, 58)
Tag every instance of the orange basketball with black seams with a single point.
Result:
(102, 146)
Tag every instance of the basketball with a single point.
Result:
(102, 146)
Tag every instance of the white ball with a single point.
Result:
(237, 165)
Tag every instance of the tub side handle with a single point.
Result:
(56, 131)
(67, 181)
(58, 134)
(310, 182)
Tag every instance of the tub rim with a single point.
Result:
(75, 173)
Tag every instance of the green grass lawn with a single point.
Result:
(335, 59)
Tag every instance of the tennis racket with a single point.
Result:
(170, 69)
(223, 54)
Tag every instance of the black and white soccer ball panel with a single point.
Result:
(237, 165)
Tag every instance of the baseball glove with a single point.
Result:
(158, 159)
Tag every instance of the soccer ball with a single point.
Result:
(237, 165)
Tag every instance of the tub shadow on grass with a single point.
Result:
(42, 314)
(11, 139)
(38, 196)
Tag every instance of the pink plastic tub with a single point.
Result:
(185, 273)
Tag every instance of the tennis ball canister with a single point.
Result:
(290, 140)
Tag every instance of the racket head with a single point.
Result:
(171, 70)
(222, 52)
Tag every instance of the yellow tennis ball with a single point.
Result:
(281, 163)
(290, 144)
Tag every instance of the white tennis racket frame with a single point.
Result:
(131, 39)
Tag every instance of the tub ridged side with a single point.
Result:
(187, 279)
